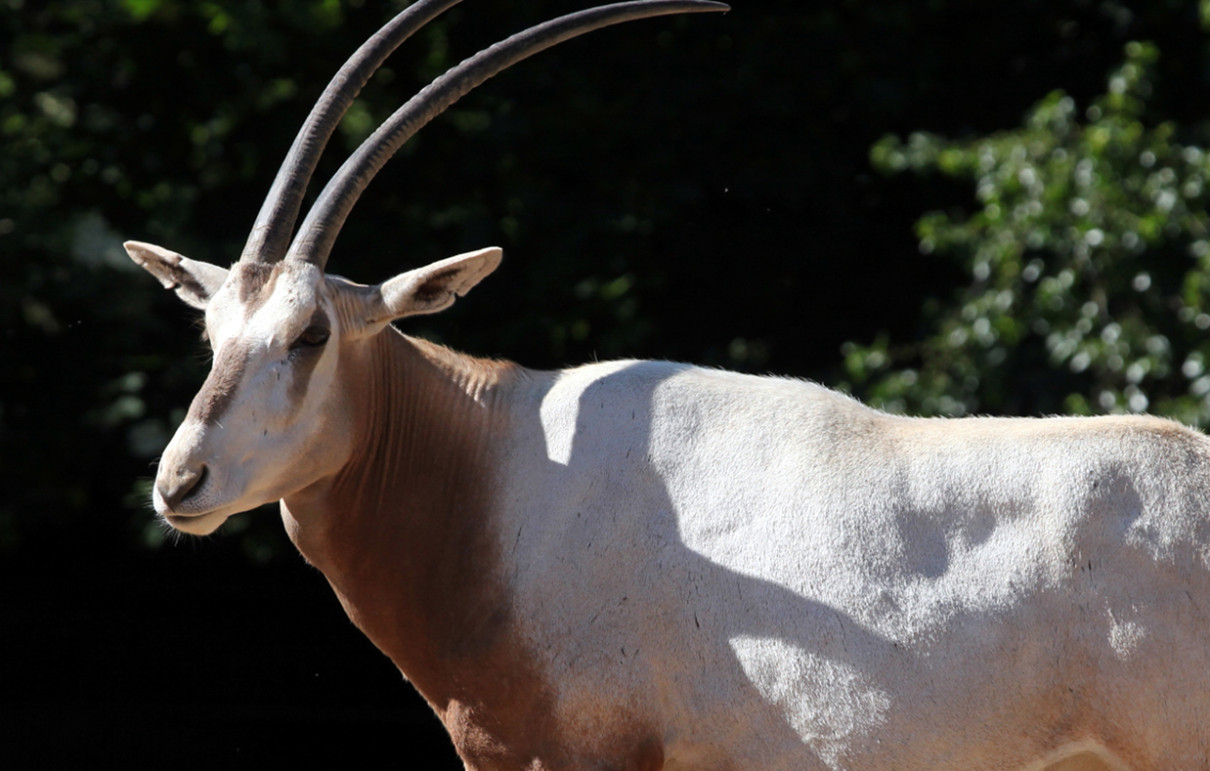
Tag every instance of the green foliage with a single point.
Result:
(1088, 260)
(95, 147)
(689, 188)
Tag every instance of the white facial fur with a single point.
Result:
(270, 419)
(262, 425)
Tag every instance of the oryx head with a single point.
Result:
(268, 421)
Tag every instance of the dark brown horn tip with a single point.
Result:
(700, 6)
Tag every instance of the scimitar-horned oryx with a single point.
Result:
(644, 565)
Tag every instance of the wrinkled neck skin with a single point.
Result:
(403, 531)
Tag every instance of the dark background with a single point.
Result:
(695, 188)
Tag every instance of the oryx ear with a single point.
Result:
(193, 281)
(433, 287)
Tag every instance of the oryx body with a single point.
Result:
(644, 565)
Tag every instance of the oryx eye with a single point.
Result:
(313, 336)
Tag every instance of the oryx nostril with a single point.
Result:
(184, 484)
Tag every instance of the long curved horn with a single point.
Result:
(327, 215)
(275, 223)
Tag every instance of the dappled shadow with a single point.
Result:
(709, 640)
(989, 584)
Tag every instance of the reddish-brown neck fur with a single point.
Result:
(404, 535)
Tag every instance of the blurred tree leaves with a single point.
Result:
(93, 149)
(1088, 260)
(690, 188)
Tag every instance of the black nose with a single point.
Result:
(180, 486)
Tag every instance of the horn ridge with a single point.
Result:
(274, 225)
(323, 222)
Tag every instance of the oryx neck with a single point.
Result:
(404, 531)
